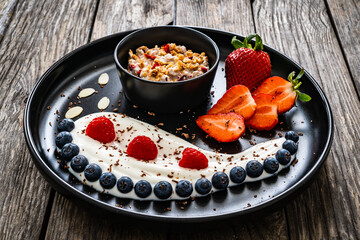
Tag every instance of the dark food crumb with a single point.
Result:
(48, 107)
(295, 162)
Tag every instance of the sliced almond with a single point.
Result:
(103, 79)
(103, 103)
(73, 112)
(86, 92)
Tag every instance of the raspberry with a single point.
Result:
(142, 148)
(193, 159)
(101, 129)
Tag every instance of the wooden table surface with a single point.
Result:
(322, 35)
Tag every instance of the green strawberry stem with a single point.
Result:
(245, 44)
(296, 84)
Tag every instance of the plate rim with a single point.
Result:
(55, 179)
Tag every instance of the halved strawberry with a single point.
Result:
(284, 92)
(246, 65)
(224, 127)
(237, 99)
(265, 117)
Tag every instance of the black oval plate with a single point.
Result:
(83, 66)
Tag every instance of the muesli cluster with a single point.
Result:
(168, 63)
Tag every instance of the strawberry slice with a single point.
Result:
(265, 117)
(224, 127)
(284, 92)
(237, 99)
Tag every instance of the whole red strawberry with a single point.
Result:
(246, 65)
(101, 129)
(193, 159)
(142, 148)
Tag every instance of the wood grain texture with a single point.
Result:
(346, 17)
(30, 45)
(234, 16)
(6, 12)
(330, 208)
(68, 220)
(114, 16)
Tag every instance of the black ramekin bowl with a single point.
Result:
(166, 97)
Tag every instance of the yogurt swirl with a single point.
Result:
(112, 157)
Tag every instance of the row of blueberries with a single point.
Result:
(163, 189)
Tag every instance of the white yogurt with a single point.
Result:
(112, 156)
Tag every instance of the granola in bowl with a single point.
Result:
(168, 63)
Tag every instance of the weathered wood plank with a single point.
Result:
(346, 16)
(329, 209)
(234, 16)
(6, 12)
(67, 220)
(143, 14)
(35, 39)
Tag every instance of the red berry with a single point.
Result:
(224, 127)
(142, 148)
(166, 48)
(237, 99)
(101, 129)
(246, 65)
(149, 56)
(284, 92)
(193, 159)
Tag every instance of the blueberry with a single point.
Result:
(184, 188)
(143, 188)
(163, 190)
(125, 184)
(107, 180)
(69, 151)
(92, 172)
(290, 145)
(271, 165)
(220, 180)
(78, 163)
(254, 169)
(237, 174)
(203, 186)
(63, 138)
(291, 135)
(66, 125)
(283, 156)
